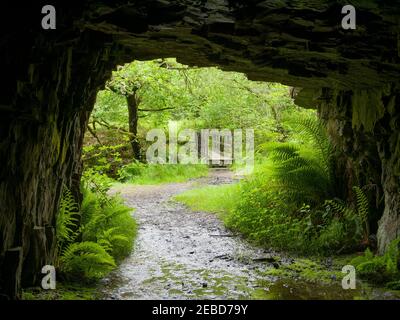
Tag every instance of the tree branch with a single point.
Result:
(93, 133)
(109, 126)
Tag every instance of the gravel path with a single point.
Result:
(180, 254)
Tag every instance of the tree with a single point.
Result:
(200, 98)
(138, 80)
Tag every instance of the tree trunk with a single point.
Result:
(133, 105)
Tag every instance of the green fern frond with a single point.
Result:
(312, 129)
(359, 215)
(362, 204)
(284, 152)
(86, 260)
(67, 220)
(305, 177)
(337, 207)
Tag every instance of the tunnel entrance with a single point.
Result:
(351, 77)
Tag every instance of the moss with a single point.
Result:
(63, 154)
(55, 143)
(368, 108)
(64, 291)
(307, 270)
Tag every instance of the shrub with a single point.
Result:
(262, 216)
(106, 159)
(283, 205)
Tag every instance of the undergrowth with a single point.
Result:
(141, 173)
(381, 269)
(290, 202)
(91, 239)
(104, 235)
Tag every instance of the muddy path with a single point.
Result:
(180, 254)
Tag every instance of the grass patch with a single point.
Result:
(140, 173)
(216, 199)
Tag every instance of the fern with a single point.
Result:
(316, 132)
(108, 223)
(339, 208)
(283, 152)
(107, 231)
(360, 214)
(113, 241)
(362, 208)
(86, 260)
(305, 177)
(380, 269)
(104, 218)
(67, 220)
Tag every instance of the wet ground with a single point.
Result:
(180, 254)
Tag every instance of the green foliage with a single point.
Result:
(305, 176)
(338, 234)
(214, 98)
(354, 218)
(362, 208)
(111, 107)
(108, 222)
(64, 291)
(97, 182)
(272, 220)
(308, 270)
(195, 98)
(380, 269)
(105, 234)
(86, 260)
(114, 242)
(159, 86)
(67, 220)
(140, 173)
(283, 204)
(264, 217)
(104, 159)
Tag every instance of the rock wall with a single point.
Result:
(52, 77)
(364, 125)
(48, 96)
